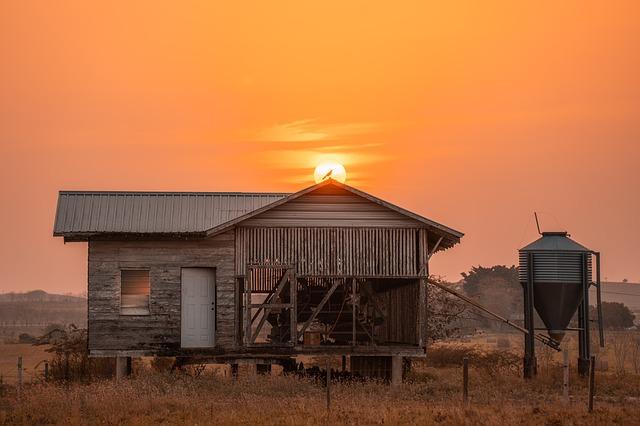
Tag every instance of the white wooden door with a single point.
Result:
(198, 308)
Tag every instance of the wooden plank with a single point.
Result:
(293, 286)
(353, 312)
(422, 313)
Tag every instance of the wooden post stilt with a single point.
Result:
(20, 379)
(396, 370)
(121, 368)
(592, 381)
(565, 380)
(234, 372)
(465, 381)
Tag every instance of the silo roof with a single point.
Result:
(555, 241)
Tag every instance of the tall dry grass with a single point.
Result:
(430, 395)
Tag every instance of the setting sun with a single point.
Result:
(330, 169)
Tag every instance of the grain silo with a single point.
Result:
(556, 273)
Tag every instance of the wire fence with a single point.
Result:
(34, 372)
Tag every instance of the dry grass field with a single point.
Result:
(32, 356)
(432, 394)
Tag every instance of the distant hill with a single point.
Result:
(38, 308)
(626, 293)
(40, 296)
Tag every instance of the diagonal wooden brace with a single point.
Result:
(319, 308)
(286, 277)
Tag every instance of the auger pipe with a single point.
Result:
(539, 337)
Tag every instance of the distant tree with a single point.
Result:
(496, 287)
(624, 280)
(615, 315)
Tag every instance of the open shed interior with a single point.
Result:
(280, 308)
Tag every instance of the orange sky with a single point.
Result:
(473, 114)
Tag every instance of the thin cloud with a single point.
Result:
(310, 130)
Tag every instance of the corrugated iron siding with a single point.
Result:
(334, 251)
(152, 212)
(554, 267)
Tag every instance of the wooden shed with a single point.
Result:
(237, 276)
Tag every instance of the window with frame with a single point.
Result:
(135, 288)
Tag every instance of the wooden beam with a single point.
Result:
(247, 308)
(272, 306)
(353, 312)
(319, 308)
(433, 250)
(422, 313)
(272, 351)
(293, 313)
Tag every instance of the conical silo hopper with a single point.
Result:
(559, 265)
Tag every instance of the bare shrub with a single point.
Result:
(490, 361)
(443, 312)
(635, 352)
(621, 346)
(546, 356)
(71, 362)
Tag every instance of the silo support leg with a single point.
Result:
(530, 366)
(583, 367)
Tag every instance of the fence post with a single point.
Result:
(328, 385)
(46, 371)
(565, 380)
(19, 374)
(465, 381)
(592, 381)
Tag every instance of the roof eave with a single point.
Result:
(106, 236)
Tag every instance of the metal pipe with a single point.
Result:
(541, 338)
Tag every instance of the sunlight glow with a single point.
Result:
(330, 169)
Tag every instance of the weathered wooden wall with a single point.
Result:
(360, 251)
(160, 331)
(402, 309)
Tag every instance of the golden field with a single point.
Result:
(432, 394)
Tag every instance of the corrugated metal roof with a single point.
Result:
(555, 241)
(84, 213)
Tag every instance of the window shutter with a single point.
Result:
(134, 292)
